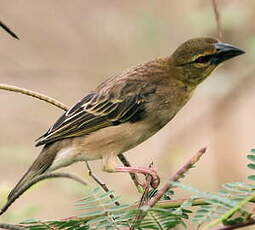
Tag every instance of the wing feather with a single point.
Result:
(93, 112)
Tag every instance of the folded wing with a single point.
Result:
(96, 111)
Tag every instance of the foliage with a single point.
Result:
(99, 210)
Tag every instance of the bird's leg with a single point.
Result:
(109, 165)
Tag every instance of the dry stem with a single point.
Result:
(100, 183)
(34, 94)
(179, 174)
(217, 18)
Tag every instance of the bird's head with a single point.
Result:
(195, 59)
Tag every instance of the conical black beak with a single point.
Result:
(225, 52)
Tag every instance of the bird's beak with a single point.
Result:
(224, 52)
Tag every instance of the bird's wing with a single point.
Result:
(98, 110)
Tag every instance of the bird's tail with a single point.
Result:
(40, 165)
(27, 177)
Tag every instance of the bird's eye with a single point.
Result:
(203, 59)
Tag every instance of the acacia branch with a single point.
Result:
(133, 176)
(178, 175)
(34, 94)
(100, 183)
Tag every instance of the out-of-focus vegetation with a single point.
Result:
(68, 47)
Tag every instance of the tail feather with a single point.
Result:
(27, 177)
(40, 165)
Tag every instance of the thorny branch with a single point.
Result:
(178, 175)
(100, 183)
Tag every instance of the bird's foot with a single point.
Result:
(145, 171)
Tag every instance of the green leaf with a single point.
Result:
(251, 166)
(251, 157)
(251, 177)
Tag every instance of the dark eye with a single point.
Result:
(203, 59)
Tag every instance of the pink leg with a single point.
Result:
(146, 171)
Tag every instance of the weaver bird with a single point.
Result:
(127, 109)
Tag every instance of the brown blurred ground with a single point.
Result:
(68, 47)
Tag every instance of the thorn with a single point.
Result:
(203, 150)
(8, 30)
(1, 212)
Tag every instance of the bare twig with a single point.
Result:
(8, 30)
(179, 174)
(133, 176)
(36, 180)
(100, 183)
(217, 18)
(237, 226)
(143, 201)
(34, 94)
(145, 197)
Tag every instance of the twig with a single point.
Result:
(36, 180)
(11, 227)
(143, 201)
(145, 197)
(133, 176)
(100, 183)
(179, 174)
(237, 226)
(217, 18)
(8, 30)
(34, 94)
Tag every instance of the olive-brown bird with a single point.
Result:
(127, 109)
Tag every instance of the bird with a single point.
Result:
(127, 109)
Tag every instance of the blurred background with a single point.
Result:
(67, 48)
